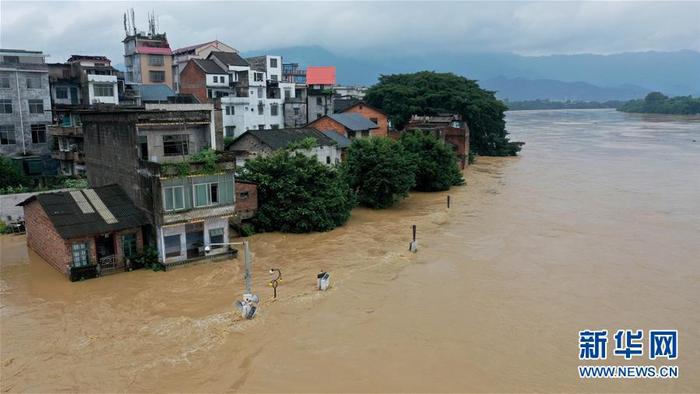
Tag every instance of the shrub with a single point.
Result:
(436, 166)
(298, 194)
(379, 171)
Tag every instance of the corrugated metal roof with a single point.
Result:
(70, 222)
(342, 141)
(281, 138)
(353, 121)
(230, 59)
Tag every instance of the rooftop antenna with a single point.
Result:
(133, 21)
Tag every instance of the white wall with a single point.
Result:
(102, 79)
(222, 80)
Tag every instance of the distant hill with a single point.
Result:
(519, 89)
(620, 76)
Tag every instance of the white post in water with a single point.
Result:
(247, 306)
(413, 246)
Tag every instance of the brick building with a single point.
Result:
(450, 129)
(246, 200)
(350, 125)
(204, 79)
(85, 233)
(373, 114)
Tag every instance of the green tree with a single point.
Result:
(10, 174)
(658, 103)
(435, 163)
(431, 93)
(297, 194)
(379, 171)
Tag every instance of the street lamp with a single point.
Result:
(247, 306)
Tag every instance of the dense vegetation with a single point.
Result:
(658, 103)
(379, 171)
(298, 194)
(568, 104)
(431, 93)
(434, 162)
(10, 174)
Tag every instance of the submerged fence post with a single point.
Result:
(413, 246)
(448, 201)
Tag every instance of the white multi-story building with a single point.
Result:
(256, 96)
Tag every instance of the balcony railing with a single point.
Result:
(225, 163)
(78, 157)
(65, 131)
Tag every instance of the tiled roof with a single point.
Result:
(209, 66)
(342, 141)
(353, 121)
(230, 59)
(70, 221)
(281, 138)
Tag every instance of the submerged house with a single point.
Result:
(151, 153)
(448, 128)
(85, 233)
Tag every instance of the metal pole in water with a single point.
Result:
(448, 201)
(413, 246)
(248, 268)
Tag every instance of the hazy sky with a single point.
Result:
(62, 28)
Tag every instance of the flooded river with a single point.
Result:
(595, 226)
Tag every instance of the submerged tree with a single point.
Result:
(431, 93)
(298, 194)
(379, 171)
(435, 163)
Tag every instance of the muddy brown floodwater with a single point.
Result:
(595, 226)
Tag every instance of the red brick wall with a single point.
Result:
(43, 238)
(460, 139)
(193, 81)
(325, 124)
(248, 204)
(369, 113)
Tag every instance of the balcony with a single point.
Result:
(225, 163)
(70, 131)
(78, 157)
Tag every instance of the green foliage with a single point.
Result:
(75, 183)
(14, 189)
(208, 157)
(305, 144)
(435, 163)
(246, 230)
(3, 227)
(149, 259)
(431, 93)
(379, 171)
(298, 194)
(471, 159)
(658, 103)
(228, 141)
(10, 174)
(568, 104)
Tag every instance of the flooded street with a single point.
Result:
(595, 226)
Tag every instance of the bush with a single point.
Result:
(10, 174)
(298, 194)
(149, 259)
(246, 230)
(379, 171)
(435, 163)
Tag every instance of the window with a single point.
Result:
(328, 160)
(38, 133)
(171, 244)
(365, 133)
(33, 83)
(129, 245)
(273, 77)
(375, 120)
(176, 145)
(103, 90)
(209, 95)
(80, 254)
(61, 92)
(220, 94)
(216, 236)
(7, 134)
(230, 131)
(230, 110)
(206, 194)
(157, 76)
(296, 111)
(36, 106)
(261, 127)
(274, 126)
(216, 79)
(244, 195)
(351, 134)
(11, 59)
(274, 110)
(319, 100)
(257, 77)
(222, 79)
(4, 82)
(261, 93)
(173, 198)
(155, 60)
(261, 108)
(273, 63)
(5, 106)
(319, 115)
(287, 93)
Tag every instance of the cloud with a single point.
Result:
(538, 28)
